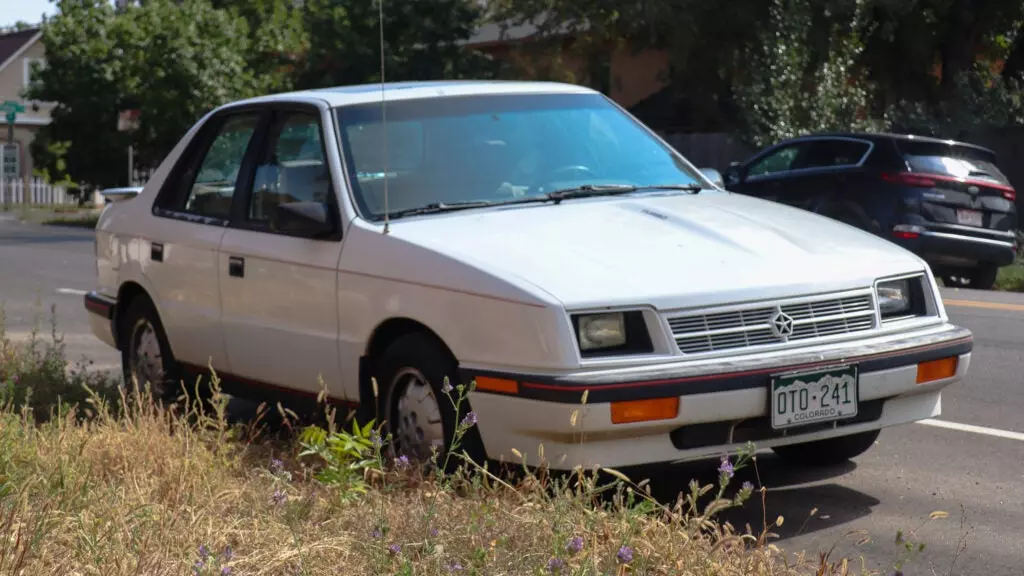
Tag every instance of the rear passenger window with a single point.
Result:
(293, 166)
(212, 188)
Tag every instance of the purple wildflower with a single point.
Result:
(402, 462)
(555, 565)
(454, 566)
(726, 468)
(447, 388)
(575, 544)
(204, 552)
(433, 532)
(276, 465)
(375, 439)
(225, 571)
(228, 554)
(395, 549)
(376, 533)
(747, 486)
(279, 497)
(625, 555)
(470, 419)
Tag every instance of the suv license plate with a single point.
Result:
(969, 217)
(805, 398)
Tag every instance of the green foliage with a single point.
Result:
(422, 41)
(346, 456)
(790, 89)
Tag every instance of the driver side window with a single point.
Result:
(293, 167)
(780, 160)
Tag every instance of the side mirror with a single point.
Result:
(304, 219)
(714, 176)
(732, 174)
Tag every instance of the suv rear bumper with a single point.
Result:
(954, 249)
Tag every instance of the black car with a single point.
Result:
(944, 200)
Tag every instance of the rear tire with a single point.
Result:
(828, 452)
(146, 355)
(415, 411)
(983, 277)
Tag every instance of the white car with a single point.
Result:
(535, 238)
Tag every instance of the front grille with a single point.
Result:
(697, 333)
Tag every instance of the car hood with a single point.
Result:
(668, 251)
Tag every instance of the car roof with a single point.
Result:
(881, 136)
(392, 91)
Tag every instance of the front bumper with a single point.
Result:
(723, 403)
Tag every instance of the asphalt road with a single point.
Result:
(974, 474)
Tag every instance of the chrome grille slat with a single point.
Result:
(745, 328)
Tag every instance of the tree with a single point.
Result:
(172, 60)
(422, 41)
(84, 77)
(277, 40)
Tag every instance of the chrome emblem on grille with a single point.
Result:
(781, 324)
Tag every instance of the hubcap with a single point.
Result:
(146, 358)
(416, 416)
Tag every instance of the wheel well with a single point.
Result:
(383, 336)
(126, 294)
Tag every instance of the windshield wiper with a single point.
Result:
(583, 191)
(590, 190)
(438, 207)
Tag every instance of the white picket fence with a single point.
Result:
(33, 192)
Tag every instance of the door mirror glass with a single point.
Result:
(306, 219)
(714, 175)
(732, 174)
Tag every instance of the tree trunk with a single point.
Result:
(957, 47)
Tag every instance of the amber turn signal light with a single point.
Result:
(644, 410)
(936, 369)
(497, 385)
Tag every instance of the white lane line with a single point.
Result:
(71, 291)
(1006, 434)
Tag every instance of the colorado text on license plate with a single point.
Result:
(968, 217)
(810, 397)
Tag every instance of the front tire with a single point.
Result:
(419, 416)
(829, 452)
(146, 356)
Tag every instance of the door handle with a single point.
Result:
(236, 266)
(156, 252)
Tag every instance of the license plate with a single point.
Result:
(969, 217)
(805, 398)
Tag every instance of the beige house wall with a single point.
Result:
(36, 114)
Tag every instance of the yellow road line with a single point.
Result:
(989, 305)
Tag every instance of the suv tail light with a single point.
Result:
(908, 179)
(931, 180)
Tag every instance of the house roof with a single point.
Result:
(14, 43)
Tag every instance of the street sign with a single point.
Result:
(128, 120)
(11, 107)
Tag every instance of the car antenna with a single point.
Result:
(383, 116)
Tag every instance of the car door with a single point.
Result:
(278, 286)
(192, 209)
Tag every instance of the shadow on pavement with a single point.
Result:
(793, 493)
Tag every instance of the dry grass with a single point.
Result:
(120, 485)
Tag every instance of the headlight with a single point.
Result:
(602, 331)
(903, 298)
(608, 333)
(894, 298)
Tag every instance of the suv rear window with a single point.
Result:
(951, 160)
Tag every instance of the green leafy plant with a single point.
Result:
(346, 456)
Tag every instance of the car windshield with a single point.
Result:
(498, 148)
